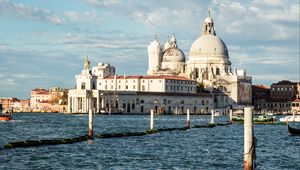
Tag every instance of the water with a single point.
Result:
(204, 148)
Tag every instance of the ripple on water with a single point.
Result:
(203, 148)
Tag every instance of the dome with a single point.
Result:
(173, 54)
(208, 45)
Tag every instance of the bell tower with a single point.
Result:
(155, 56)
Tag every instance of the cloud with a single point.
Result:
(259, 19)
(163, 17)
(24, 11)
(87, 16)
(103, 2)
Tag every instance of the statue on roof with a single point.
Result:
(86, 64)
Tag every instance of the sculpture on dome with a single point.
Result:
(86, 64)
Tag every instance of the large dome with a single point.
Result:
(208, 45)
(173, 54)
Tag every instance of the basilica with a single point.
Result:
(205, 80)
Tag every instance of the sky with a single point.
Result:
(44, 43)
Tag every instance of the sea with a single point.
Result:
(197, 148)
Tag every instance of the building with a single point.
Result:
(208, 64)
(282, 97)
(295, 106)
(7, 102)
(38, 96)
(169, 75)
(260, 96)
(48, 100)
(283, 90)
(135, 94)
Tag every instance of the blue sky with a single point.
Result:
(43, 43)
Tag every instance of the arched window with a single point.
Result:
(217, 71)
(197, 73)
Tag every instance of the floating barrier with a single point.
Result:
(265, 123)
(127, 134)
(31, 143)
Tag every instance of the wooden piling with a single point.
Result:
(152, 120)
(188, 123)
(249, 147)
(90, 124)
(212, 117)
(230, 115)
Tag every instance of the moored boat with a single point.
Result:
(5, 117)
(259, 119)
(290, 119)
(293, 131)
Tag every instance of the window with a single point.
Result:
(133, 86)
(217, 71)
(82, 85)
(126, 87)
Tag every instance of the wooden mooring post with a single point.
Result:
(249, 145)
(90, 119)
(90, 124)
(152, 120)
(212, 117)
(230, 115)
(188, 123)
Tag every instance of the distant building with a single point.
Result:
(38, 96)
(284, 90)
(260, 96)
(47, 99)
(22, 106)
(7, 102)
(280, 98)
(208, 64)
(168, 71)
(296, 106)
(135, 94)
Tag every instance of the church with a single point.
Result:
(173, 84)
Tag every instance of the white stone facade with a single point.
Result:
(102, 93)
(208, 64)
(169, 77)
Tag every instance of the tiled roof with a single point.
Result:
(296, 100)
(260, 87)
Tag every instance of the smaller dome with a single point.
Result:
(173, 54)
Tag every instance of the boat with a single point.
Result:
(290, 119)
(5, 117)
(260, 119)
(293, 131)
(113, 111)
(265, 118)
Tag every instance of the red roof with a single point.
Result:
(150, 77)
(296, 100)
